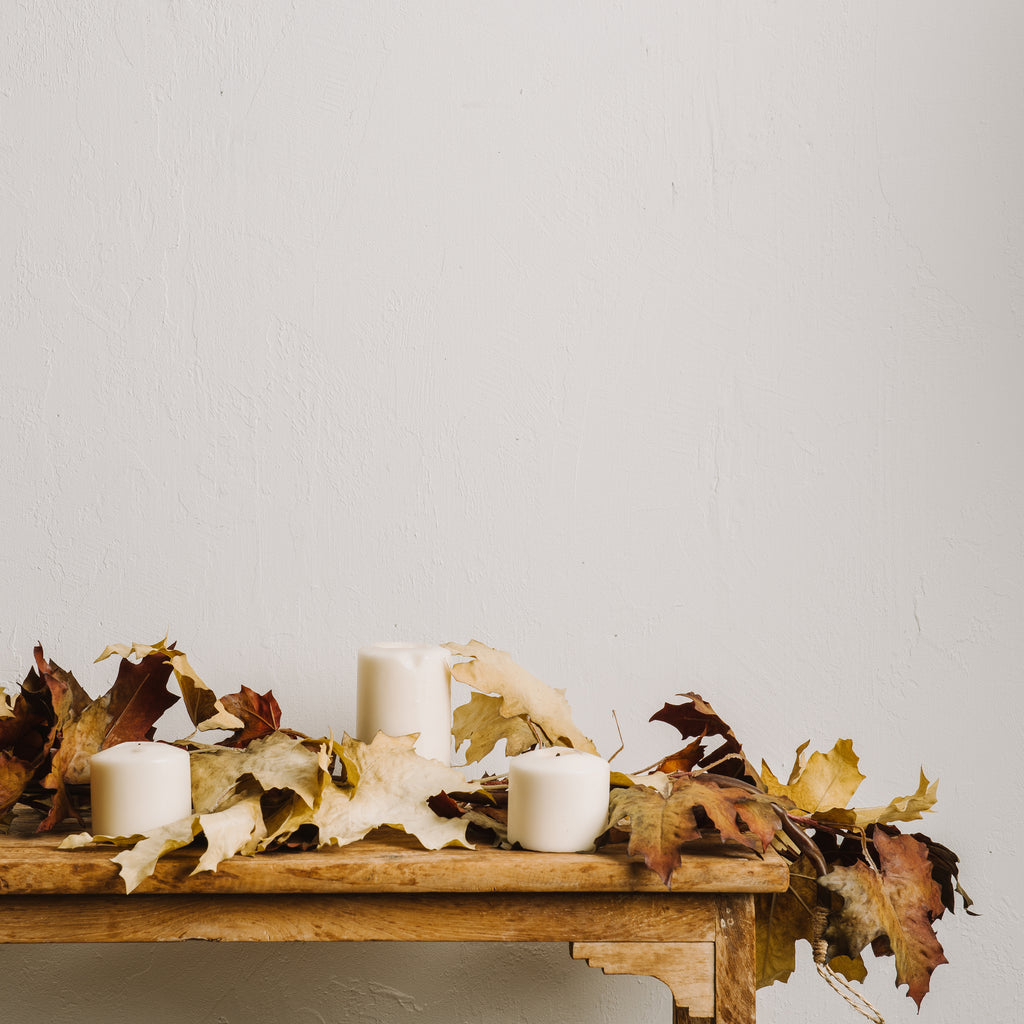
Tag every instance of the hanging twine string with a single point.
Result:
(836, 981)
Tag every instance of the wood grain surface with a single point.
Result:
(387, 861)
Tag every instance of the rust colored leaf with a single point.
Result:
(259, 713)
(137, 699)
(699, 723)
(661, 825)
(892, 909)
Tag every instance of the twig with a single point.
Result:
(622, 742)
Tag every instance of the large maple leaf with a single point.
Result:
(891, 908)
(660, 825)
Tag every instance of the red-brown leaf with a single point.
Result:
(698, 721)
(260, 714)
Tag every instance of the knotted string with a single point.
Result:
(836, 981)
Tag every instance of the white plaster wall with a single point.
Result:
(668, 346)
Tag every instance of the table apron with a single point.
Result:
(423, 917)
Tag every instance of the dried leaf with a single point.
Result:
(236, 829)
(492, 671)
(67, 698)
(820, 782)
(138, 863)
(259, 713)
(15, 775)
(783, 918)
(892, 908)
(205, 710)
(660, 826)
(277, 761)
(696, 722)
(481, 722)
(389, 785)
(900, 808)
(127, 712)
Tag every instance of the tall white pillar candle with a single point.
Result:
(557, 799)
(406, 688)
(137, 787)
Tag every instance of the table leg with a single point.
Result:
(711, 982)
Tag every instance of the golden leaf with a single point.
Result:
(492, 671)
(481, 722)
(819, 782)
(900, 808)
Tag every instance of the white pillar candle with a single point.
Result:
(557, 799)
(406, 688)
(137, 787)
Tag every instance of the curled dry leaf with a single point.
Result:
(128, 711)
(522, 694)
(203, 707)
(697, 723)
(821, 786)
(900, 808)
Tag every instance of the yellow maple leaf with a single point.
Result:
(821, 781)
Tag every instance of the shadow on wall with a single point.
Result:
(319, 983)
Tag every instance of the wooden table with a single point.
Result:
(615, 913)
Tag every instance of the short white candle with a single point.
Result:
(137, 787)
(557, 799)
(406, 688)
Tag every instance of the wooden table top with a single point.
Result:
(387, 861)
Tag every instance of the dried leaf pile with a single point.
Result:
(856, 880)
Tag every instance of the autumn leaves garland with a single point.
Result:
(264, 786)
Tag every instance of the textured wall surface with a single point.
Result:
(667, 346)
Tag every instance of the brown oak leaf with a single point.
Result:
(661, 825)
(892, 909)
